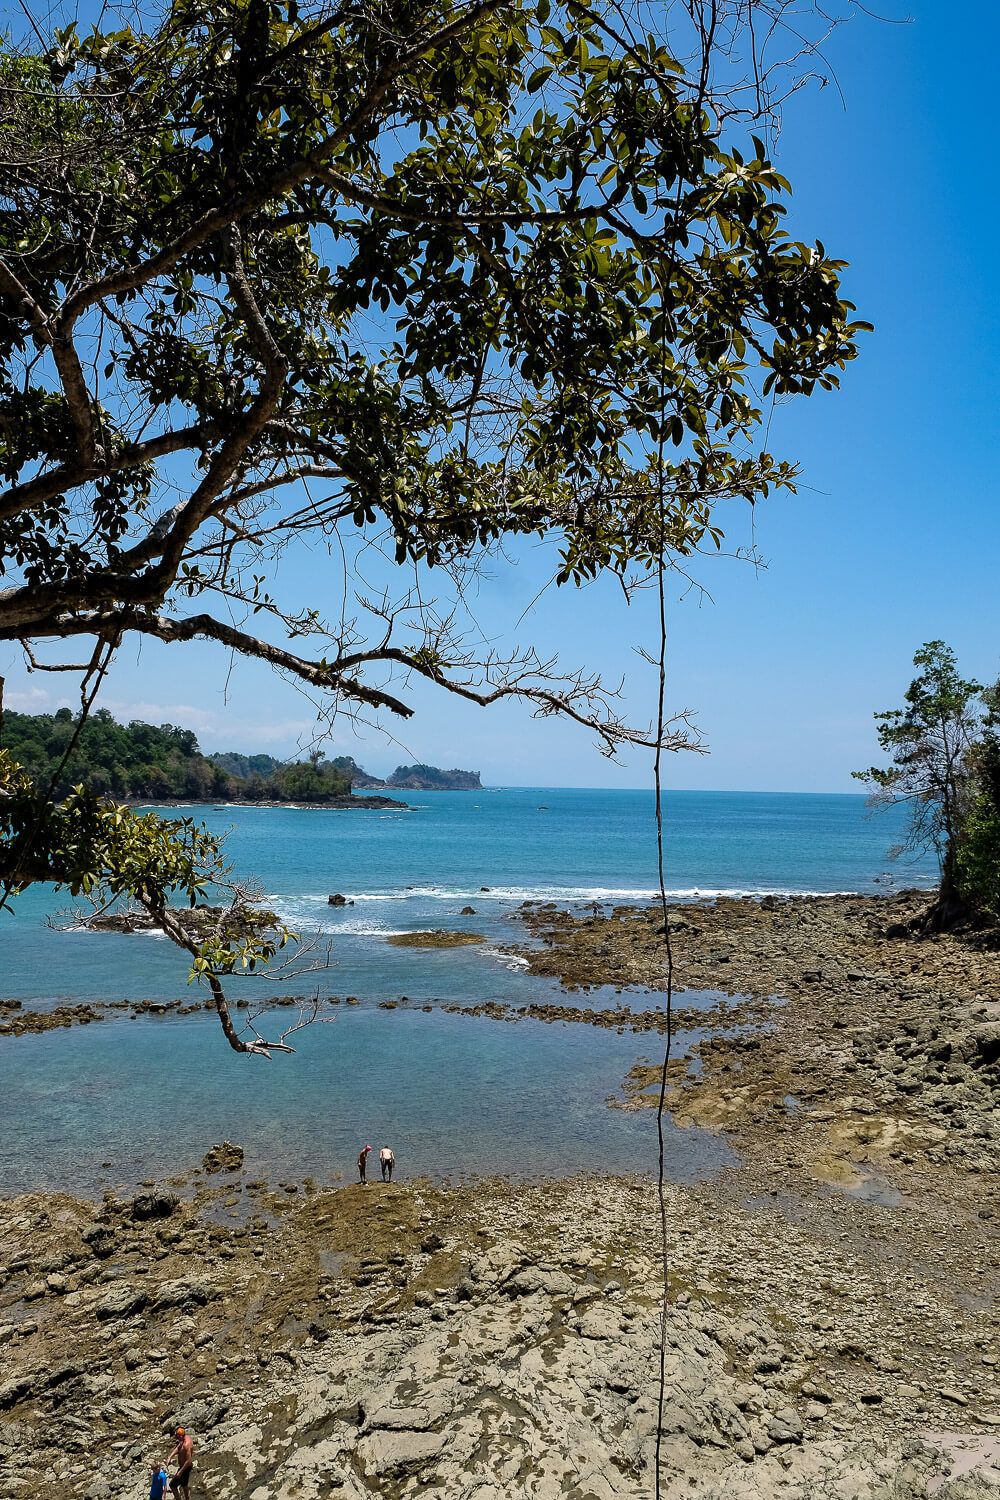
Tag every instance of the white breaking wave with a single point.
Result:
(348, 927)
(364, 929)
(507, 960)
(559, 893)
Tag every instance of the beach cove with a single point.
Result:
(832, 1247)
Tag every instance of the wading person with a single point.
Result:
(183, 1451)
(387, 1160)
(363, 1164)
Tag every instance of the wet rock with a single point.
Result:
(155, 1205)
(224, 1157)
(439, 938)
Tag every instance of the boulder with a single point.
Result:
(14, 1391)
(198, 1415)
(122, 1302)
(181, 1293)
(223, 1158)
(389, 1453)
(532, 1279)
(155, 1205)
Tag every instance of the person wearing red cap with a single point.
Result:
(363, 1163)
(183, 1451)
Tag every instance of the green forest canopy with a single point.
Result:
(140, 760)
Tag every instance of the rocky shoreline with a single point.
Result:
(906, 1030)
(413, 1340)
(830, 1325)
(372, 802)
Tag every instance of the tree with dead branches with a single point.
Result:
(441, 272)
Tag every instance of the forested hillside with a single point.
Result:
(245, 766)
(418, 778)
(140, 760)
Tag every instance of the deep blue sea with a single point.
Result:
(456, 1096)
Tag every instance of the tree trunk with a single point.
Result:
(949, 909)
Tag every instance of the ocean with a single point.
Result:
(110, 1104)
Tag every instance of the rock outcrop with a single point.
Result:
(501, 1345)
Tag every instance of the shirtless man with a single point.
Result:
(183, 1451)
(387, 1160)
(363, 1164)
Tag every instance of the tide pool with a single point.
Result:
(453, 1094)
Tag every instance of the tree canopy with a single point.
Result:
(438, 272)
(978, 855)
(147, 762)
(945, 768)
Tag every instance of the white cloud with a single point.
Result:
(280, 732)
(33, 699)
(217, 731)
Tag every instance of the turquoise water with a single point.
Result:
(457, 1094)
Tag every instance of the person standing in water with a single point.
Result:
(387, 1160)
(363, 1164)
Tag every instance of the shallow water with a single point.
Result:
(453, 1094)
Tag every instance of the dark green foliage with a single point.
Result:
(978, 859)
(309, 781)
(429, 778)
(245, 766)
(133, 761)
(138, 761)
(945, 767)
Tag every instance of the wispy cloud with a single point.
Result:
(33, 699)
(217, 731)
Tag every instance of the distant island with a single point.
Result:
(146, 762)
(417, 778)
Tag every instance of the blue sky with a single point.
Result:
(893, 539)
